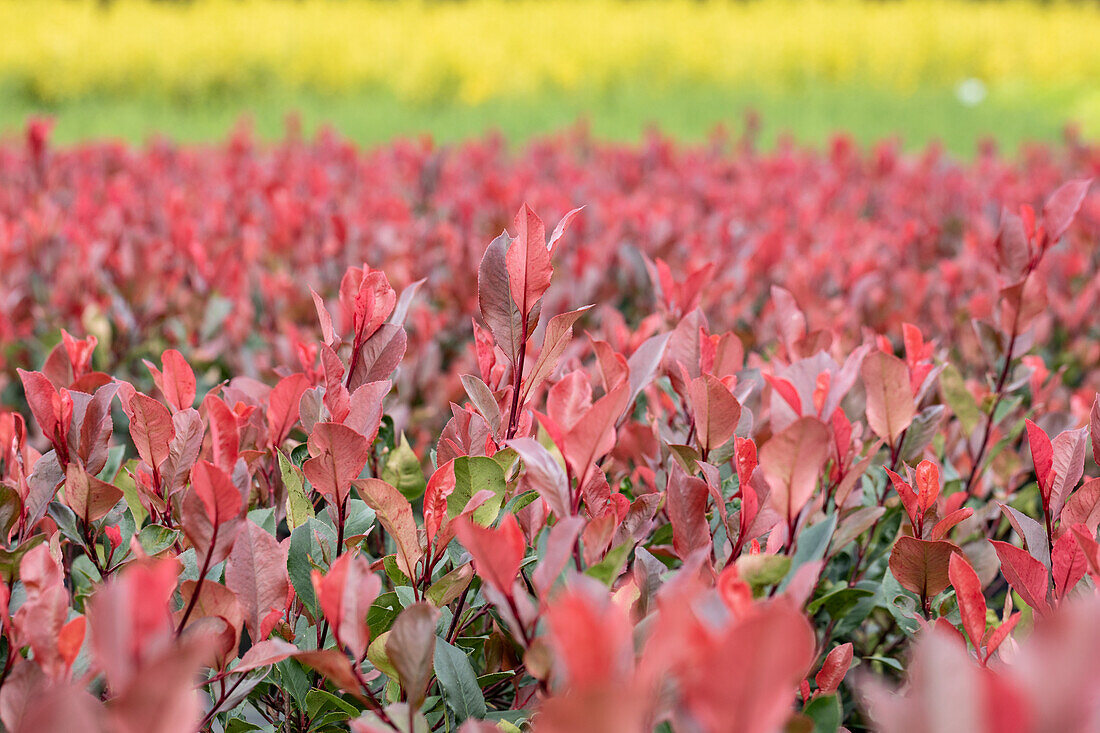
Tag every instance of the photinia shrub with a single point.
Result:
(623, 523)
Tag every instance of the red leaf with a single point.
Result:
(592, 638)
(928, 484)
(528, 261)
(43, 399)
(1025, 574)
(176, 382)
(687, 505)
(265, 653)
(1062, 206)
(256, 572)
(220, 498)
(593, 435)
(559, 332)
(440, 486)
(890, 405)
(946, 524)
(88, 497)
(559, 230)
(150, 428)
(501, 314)
(787, 391)
(395, 515)
(282, 410)
(225, 438)
(1042, 455)
(338, 457)
(1083, 506)
(379, 356)
(834, 668)
(1094, 428)
(715, 410)
(1067, 466)
(1067, 564)
(792, 462)
(921, 566)
(1086, 538)
(346, 593)
(968, 592)
(498, 553)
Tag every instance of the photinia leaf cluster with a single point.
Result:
(628, 511)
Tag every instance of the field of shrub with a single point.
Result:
(576, 436)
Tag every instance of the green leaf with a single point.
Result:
(826, 713)
(760, 571)
(125, 482)
(608, 570)
(294, 679)
(299, 509)
(360, 518)
(383, 612)
(456, 677)
(838, 602)
(307, 552)
(492, 678)
(114, 461)
(812, 543)
(376, 655)
(10, 506)
(887, 662)
(474, 474)
(959, 399)
(451, 585)
(403, 472)
(393, 571)
(155, 539)
(66, 521)
(320, 701)
(520, 501)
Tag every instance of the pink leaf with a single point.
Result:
(256, 572)
(544, 474)
(1067, 564)
(1062, 206)
(150, 428)
(792, 462)
(395, 515)
(338, 457)
(715, 410)
(890, 405)
(283, 405)
(498, 553)
(687, 504)
(346, 593)
(177, 381)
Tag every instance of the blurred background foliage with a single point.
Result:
(955, 70)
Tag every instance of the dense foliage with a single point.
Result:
(748, 443)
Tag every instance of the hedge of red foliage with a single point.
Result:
(752, 442)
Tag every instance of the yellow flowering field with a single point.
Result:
(479, 50)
